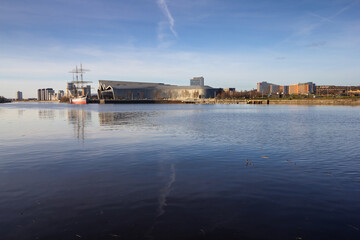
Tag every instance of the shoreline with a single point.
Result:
(305, 101)
(354, 101)
(319, 101)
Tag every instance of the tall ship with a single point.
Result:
(78, 90)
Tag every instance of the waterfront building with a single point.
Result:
(230, 90)
(39, 94)
(335, 90)
(274, 89)
(70, 89)
(87, 90)
(43, 94)
(60, 94)
(19, 95)
(197, 81)
(354, 92)
(53, 97)
(48, 94)
(154, 91)
(296, 89)
(263, 87)
(267, 88)
(302, 88)
(284, 89)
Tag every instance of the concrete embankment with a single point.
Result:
(308, 101)
(111, 101)
(220, 101)
(318, 101)
(169, 101)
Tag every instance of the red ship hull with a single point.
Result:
(79, 100)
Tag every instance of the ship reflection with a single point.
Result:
(79, 119)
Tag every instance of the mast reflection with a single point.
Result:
(79, 118)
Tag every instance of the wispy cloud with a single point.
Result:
(317, 44)
(321, 17)
(166, 39)
(344, 9)
(339, 12)
(164, 8)
(308, 29)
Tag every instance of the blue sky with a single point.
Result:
(232, 43)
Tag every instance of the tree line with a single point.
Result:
(4, 100)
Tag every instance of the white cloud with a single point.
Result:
(171, 22)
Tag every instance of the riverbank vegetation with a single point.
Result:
(4, 100)
(253, 94)
(64, 99)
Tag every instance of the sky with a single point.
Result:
(231, 43)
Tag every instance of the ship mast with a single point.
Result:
(79, 82)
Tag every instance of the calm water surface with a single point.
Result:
(179, 172)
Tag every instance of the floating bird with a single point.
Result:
(249, 163)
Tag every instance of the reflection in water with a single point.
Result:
(165, 191)
(79, 118)
(21, 112)
(162, 198)
(124, 118)
(62, 114)
(46, 114)
(172, 173)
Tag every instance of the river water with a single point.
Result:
(179, 172)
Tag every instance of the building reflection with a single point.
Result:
(79, 118)
(21, 112)
(46, 114)
(124, 118)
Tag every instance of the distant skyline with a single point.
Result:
(232, 43)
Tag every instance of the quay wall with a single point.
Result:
(309, 101)
(317, 101)
(112, 101)
(219, 101)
